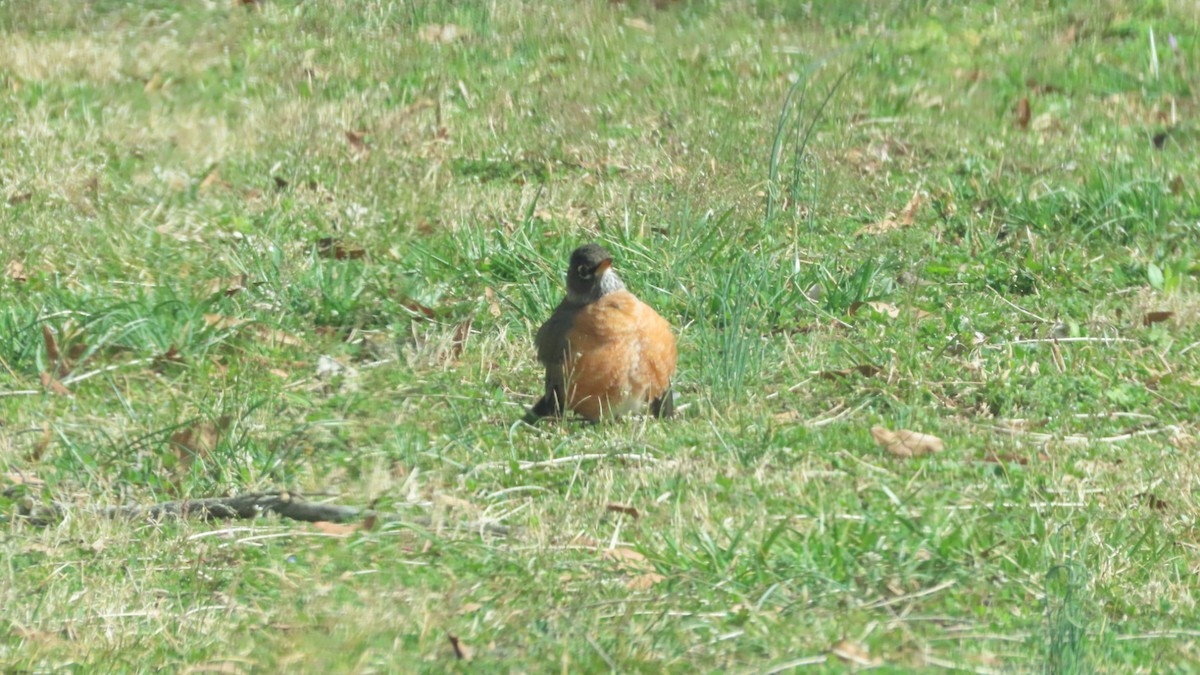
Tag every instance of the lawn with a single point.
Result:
(305, 246)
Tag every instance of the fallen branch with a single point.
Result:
(559, 461)
(1076, 439)
(1067, 340)
(911, 596)
(846, 412)
(249, 506)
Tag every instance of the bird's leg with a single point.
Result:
(663, 406)
(551, 403)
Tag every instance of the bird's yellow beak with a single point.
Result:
(603, 266)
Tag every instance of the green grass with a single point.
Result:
(153, 153)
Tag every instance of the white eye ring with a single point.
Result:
(583, 272)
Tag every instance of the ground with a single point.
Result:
(306, 246)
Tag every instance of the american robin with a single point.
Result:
(606, 352)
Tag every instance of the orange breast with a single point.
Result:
(621, 355)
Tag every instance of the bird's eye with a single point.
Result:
(583, 272)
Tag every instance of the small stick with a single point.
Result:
(911, 596)
(72, 379)
(559, 461)
(1084, 440)
(1019, 309)
(813, 424)
(796, 663)
(1175, 633)
(954, 665)
(249, 506)
(1034, 341)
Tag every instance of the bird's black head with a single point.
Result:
(589, 275)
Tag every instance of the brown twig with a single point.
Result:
(560, 461)
(251, 505)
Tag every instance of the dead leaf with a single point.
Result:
(788, 416)
(627, 559)
(274, 337)
(197, 441)
(169, 356)
(908, 214)
(357, 140)
(153, 84)
(417, 308)
(623, 508)
(329, 367)
(15, 270)
(905, 218)
(1005, 458)
(452, 503)
(36, 636)
(1045, 122)
(61, 364)
(1156, 317)
(1022, 114)
(218, 667)
(584, 541)
(461, 651)
(211, 180)
(852, 652)
(644, 582)
(459, 342)
(75, 351)
(887, 309)
(329, 247)
(442, 33)
(336, 529)
(227, 285)
(221, 322)
(53, 357)
(1176, 189)
(929, 100)
(639, 24)
(53, 385)
(918, 313)
(20, 478)
(865, 369)
(19, 198)
(271, 336)
(489, 296)
(39, 448)
(1041, 87)
(905, 443)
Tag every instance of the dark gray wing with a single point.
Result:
(552, 336)
(552, 346)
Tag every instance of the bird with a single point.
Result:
(606, 352)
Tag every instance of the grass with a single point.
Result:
(200, 201)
